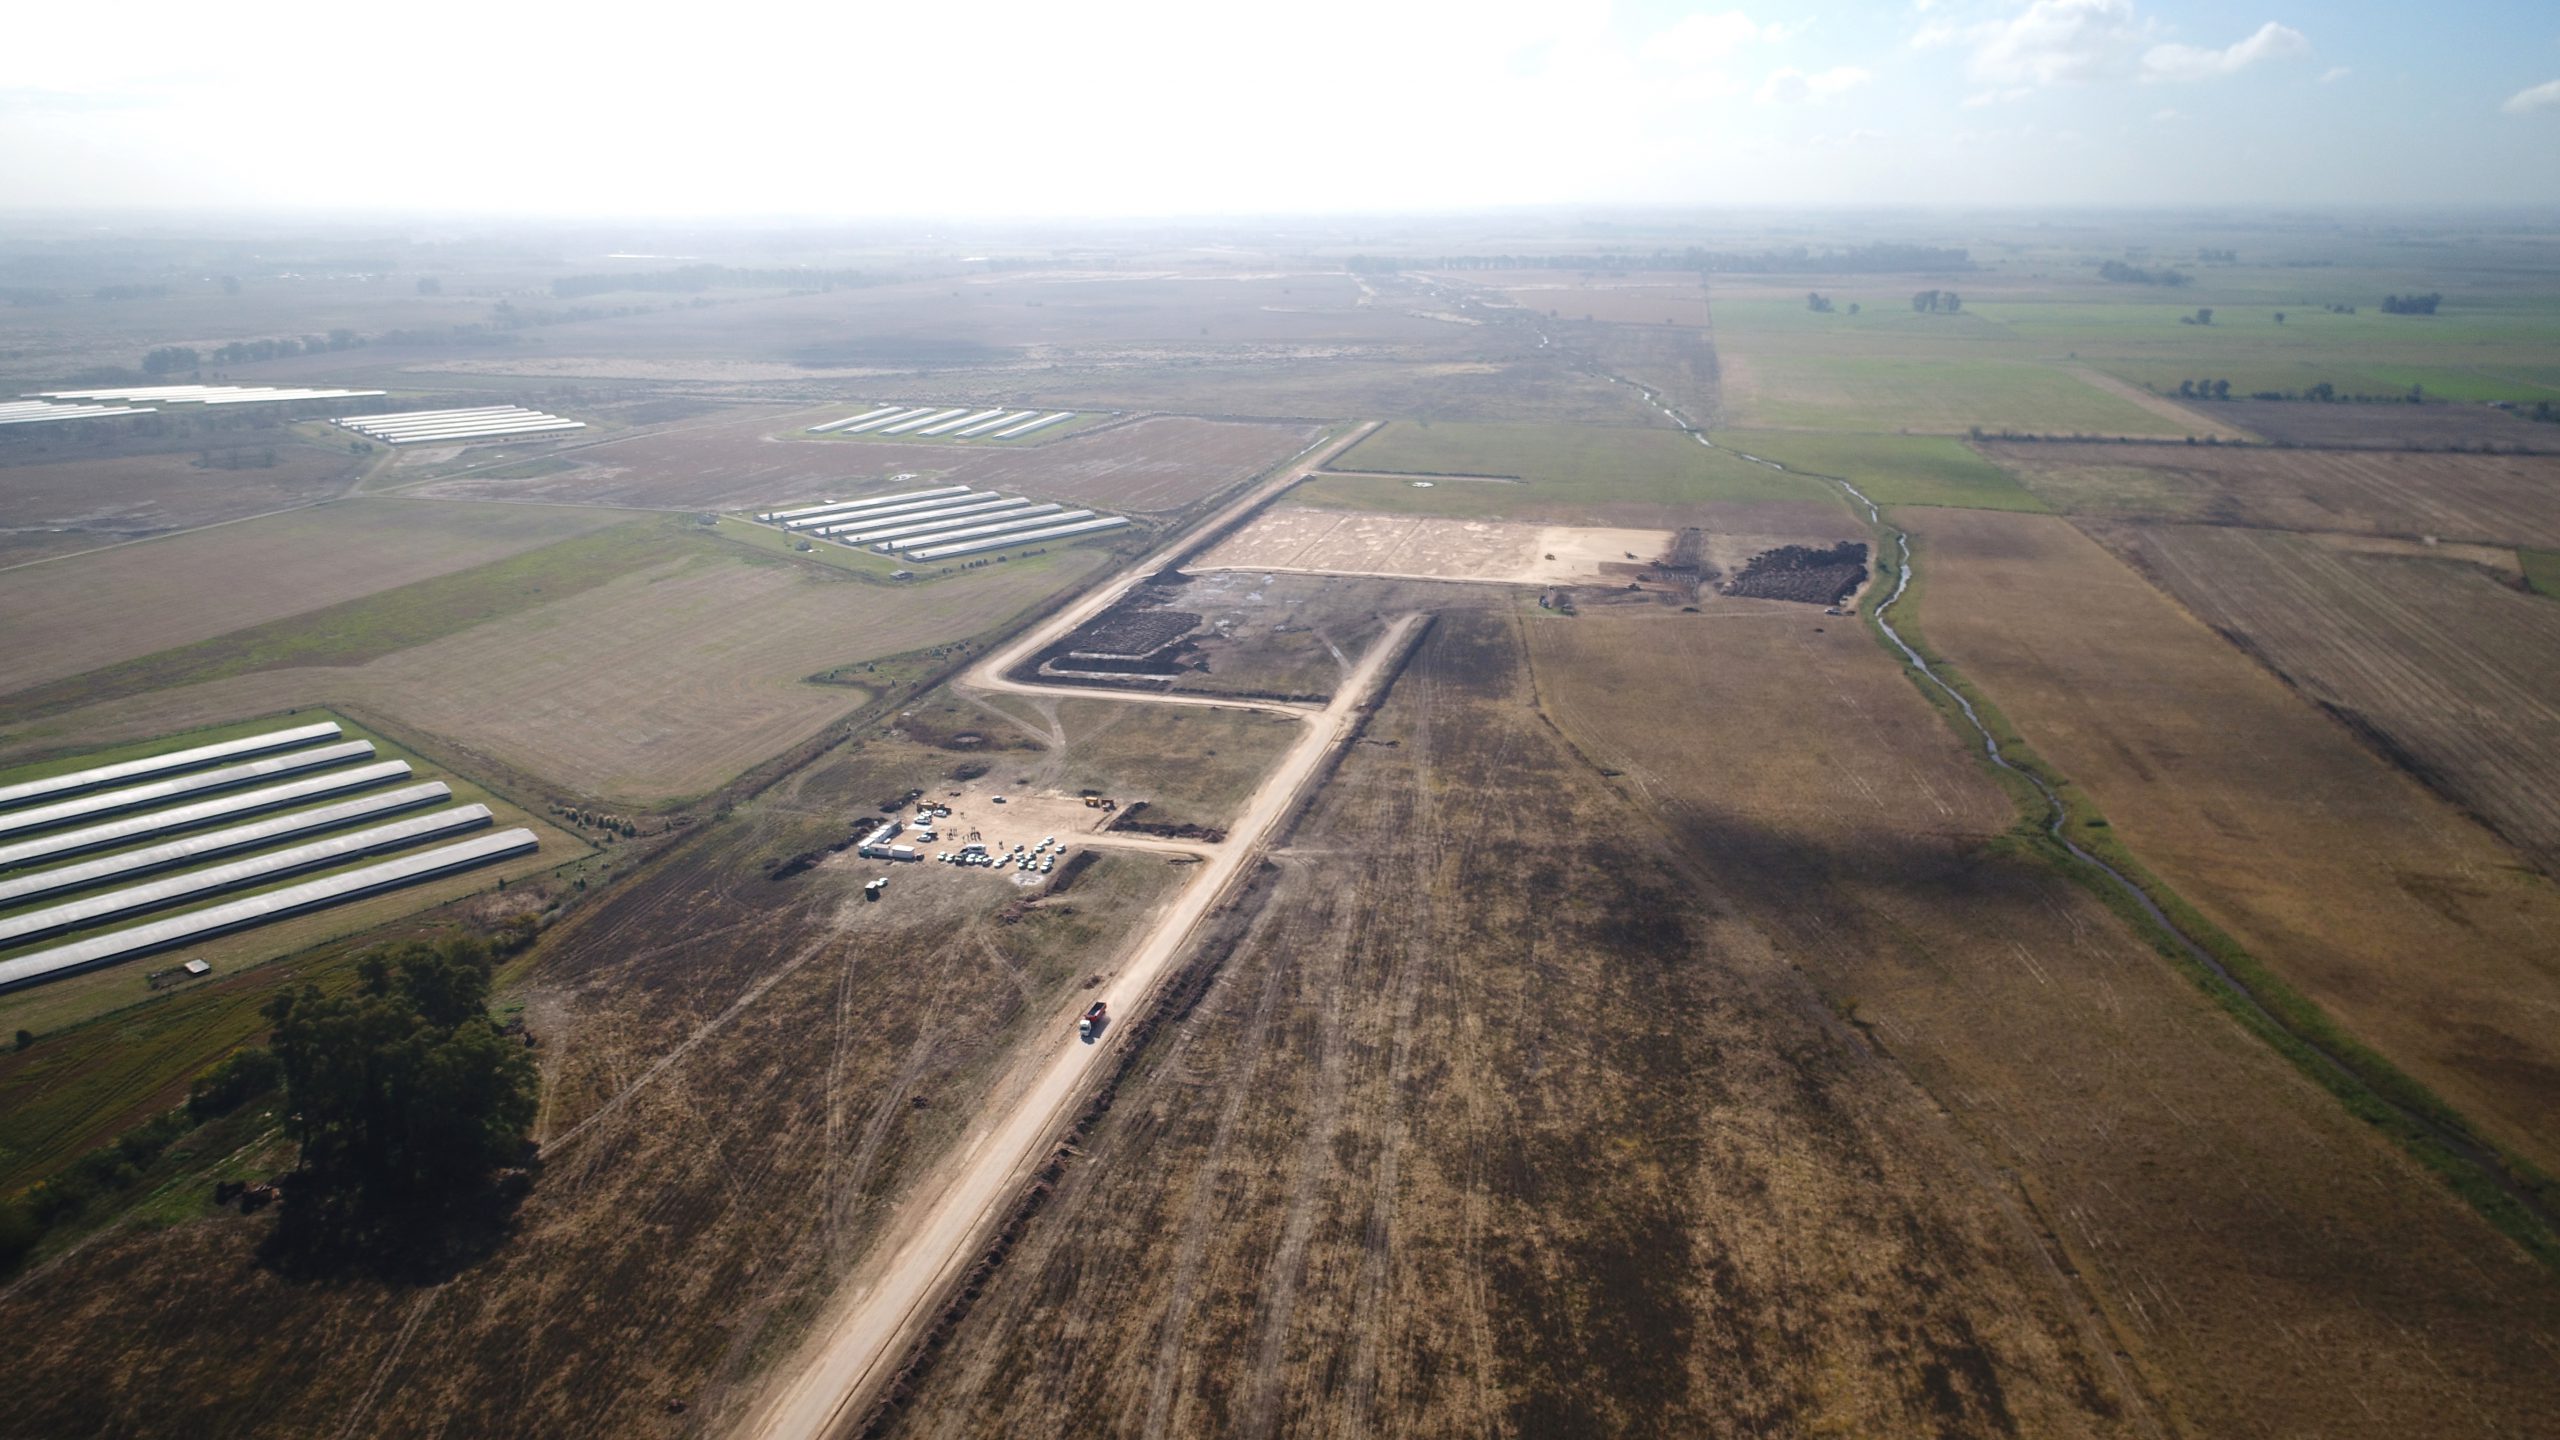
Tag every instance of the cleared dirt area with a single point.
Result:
(1481, 1129)
(2323, 861)
(56, 507)
(1638, 298)
(2489, 499)
(76, 614)
(1279, 636)
(2453, 674)
(641, 691)
(2261, 1256)
(2419, 427)
(1415, 548)
(1154, 464)
(740, 1072)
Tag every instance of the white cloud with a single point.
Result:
(2190, 62)
(1701, 40)
(1788, 86)
(2059, 42)
(2545, 96)
(2163, 117)
(2336, 73)
(1933, 35)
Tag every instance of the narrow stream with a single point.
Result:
(2453, 1138)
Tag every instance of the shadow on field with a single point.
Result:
(322, 1237)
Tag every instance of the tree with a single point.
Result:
(2204, 316)
(1853, 307)
(169, 359)
(2279, 317)
(2221, 389)
(1818, 303)
(1951, 301)
(2324, 392)
(400, 1092)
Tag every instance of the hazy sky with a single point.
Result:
(1006, 108)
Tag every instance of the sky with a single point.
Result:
(1004, 108)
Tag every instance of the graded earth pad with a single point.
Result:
(1414, 548)
(2421, 933)
(1477, 1119)
(2261, 1255)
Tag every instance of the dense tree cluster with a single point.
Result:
(1933, 302)
(2124, 274)
(2204, 389)
(2411, 304)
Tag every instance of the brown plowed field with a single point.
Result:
(736, 1064)
(60, 506)
(77, 614)
(1492, 1124)
(2454, 675)
(647, 689)
(2264, 1257)
(2387, 427)
(2414, 927)
(1159, 463)
(2503, 499)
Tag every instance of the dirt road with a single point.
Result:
(936, 1232)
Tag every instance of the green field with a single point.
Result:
(1893, 469)
(1555, 466)
(2541, 570)
(1882, 394)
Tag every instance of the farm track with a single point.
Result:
(931, 1239)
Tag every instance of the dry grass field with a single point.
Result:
(74, 615)
(2263, 1258)
(642, 691)
(1491, 1124)
(2448, 670)
(1636, 298)
(1158, 463)
(2335, 870)
(2490, 499)
(60, 506)
(740, 1073)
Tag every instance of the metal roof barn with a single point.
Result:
(262, 909)
(189, 817)
(90, 873)
(1006, 542)
(256, 870)
(783, 517)
(857, 531)
(966, 496)
(1043, 423)
(96, 776)
(38, 412)
(211, 394)
(917, 413)
(883, 413)
(950, 425)
(903, 426)
(1018, 520)
(134, 797)
(998, 423)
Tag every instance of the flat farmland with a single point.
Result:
(1892, 469)
(77, 614)
(643, 690)
(2423, 427)
(2323, 862)
(2452, 673)
(1416, 548)
(1639, 298)
(1158, 463)
(1822, 799)
(58, 506)
(1569, 474)
(1481, 1129)
(1787, 390)
(2502, 499)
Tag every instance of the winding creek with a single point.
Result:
(2453, 1138)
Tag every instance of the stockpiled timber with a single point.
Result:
(91, 873)
(256, 870)
(418, 427)
(1043, 423)
(189, 817)
(926, 524)
(1030, 518)
(1006, 542)
(866, 514)
(883, 413)
(103, 775)
(257, 910)
(903, 426)
(817, 514)
(112, 802)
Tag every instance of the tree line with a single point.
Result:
(2124, 274)
(2411, 304)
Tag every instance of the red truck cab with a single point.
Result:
(1094, 1019)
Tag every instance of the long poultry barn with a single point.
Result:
(135, 797)
(263, 909)
(883, 512)
(483, 422)
(1032, 518)
(65, 844)
(818, 513)
(1006, 542)
(194, 849)
(100, 776)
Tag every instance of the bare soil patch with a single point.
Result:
(61, 506)
(1421, 548)
(2386, 427)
